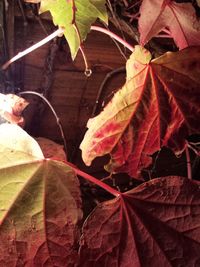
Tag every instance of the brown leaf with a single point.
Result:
(11, 108)
(155, 224)
(158, 106)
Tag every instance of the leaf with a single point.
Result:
(179, 18)
(155, 224)
(158, 106)
(76, 17)
(40, 207)
(16, 146)
(51, 149)
(11, 108)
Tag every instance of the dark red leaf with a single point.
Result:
(179, 18)
(158, 106)
(155, 224)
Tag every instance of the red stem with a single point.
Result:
(95, 180)
(113, 35)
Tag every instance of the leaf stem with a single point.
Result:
(88, 71)
(58, 32)
(189, 169)
(113, 35)
(94, 180)
(54, 113)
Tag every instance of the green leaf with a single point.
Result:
(76, 17)
(40, 206)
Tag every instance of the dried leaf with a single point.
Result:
(158, 106)
(155, 224)
(40, 207)
(179, 18)
(11, 108)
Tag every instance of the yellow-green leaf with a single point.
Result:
(16, 146)
(40, 205)
(76, 17)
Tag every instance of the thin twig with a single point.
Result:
(163, 36)
(189, 168)
(194, 149)
(119, 27)
(194, 143)
(118, 46)
(22, 11)
(135, 4)
(54, 113)
(101, 88)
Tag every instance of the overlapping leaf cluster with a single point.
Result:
(159, 103)
(155, 224)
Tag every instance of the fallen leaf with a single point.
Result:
(155, 224)
(179, 18)
(158, 106)
(40, 207)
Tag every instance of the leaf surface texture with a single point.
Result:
(155, 224)
(158, 106)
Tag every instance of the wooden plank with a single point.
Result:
(10, 27)
(73, 100)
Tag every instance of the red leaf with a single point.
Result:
(160, 101)
(180, 19)
(155, 224)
